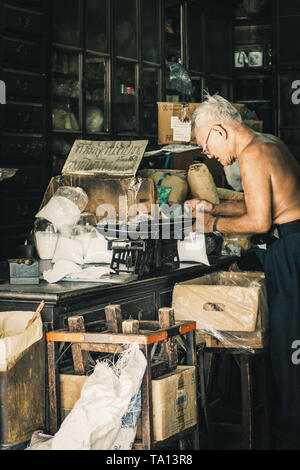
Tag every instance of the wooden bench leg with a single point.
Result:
(247, 401)
(203, 399)
(80, 358)
(147, 411)
(54, 388)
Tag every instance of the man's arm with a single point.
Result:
(226, 208)
(229, 208)
(258, 195)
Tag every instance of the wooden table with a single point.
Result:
(139, 299)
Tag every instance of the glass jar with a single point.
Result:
(65, 207)
(45, 238)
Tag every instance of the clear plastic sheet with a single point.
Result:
(6, 173)
(179, 78)
(230, 308)
(236, 243)
(106, 194)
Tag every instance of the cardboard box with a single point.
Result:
(223, 301)
(106, 171)
(235, 339)
(169, 117)
(168, 111)
(70, 390)
(174, 401)
(173, 395)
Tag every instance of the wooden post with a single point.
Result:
(166, 318)
(113, 315)
(54, 388)
(130, 327)
(147, 410)
(80, 358)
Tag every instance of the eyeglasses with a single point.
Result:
(204, 148)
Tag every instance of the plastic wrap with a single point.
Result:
(230, 309)
(118, 194)
(236, 243)
(179, 78)
(64, 208)
(6, 173)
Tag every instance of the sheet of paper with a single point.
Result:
(181, 130)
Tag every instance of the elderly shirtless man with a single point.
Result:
(271, 184)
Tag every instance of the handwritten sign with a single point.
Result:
(111, 158)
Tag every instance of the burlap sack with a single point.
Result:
(201, 183)
(178, 184)
(224, 193)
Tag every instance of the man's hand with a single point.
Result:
(204, 223)
(196, 205)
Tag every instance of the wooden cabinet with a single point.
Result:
(288, 18)
(254, 61)
(24, 46)
(95, 69)
(113, 60)
(269, 85)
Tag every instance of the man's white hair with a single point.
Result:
(215, 108)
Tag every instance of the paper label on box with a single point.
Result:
(181, 130)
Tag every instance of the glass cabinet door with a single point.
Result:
(96, 25)
(173, 31)
(125, 97)
(96, 91)
(195, 38)
(150, 94)
(150, 31)
(217, 85)
(125, 28)
(197, 82)
(291, 137)
(66, 27)
(66, 90)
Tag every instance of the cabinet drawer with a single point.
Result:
(19, 209)
(22, 53)
(30, 179)
(19, 85)
(18, 118)
(22, 148)
(21, 21)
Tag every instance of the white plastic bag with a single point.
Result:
(193, 248)
(97, 251)
(68, 249)
(101, 418)
(15, 338)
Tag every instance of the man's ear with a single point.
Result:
(221, 130)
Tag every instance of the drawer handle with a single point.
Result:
(24, 117)
(22, 50)
(24, 21)
(23, 84)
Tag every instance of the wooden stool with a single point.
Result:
(116, 336)
(254, 408)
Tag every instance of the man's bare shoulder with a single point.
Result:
(262, 149)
